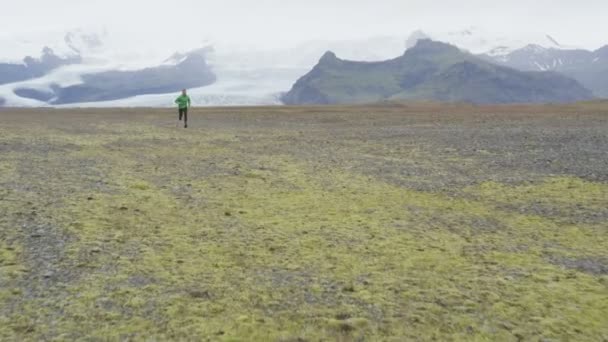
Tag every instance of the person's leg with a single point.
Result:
(180, 110)
(186, 118)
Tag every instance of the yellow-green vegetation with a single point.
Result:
(9, 263)
(229, 235)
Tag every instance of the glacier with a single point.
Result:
(246, 74)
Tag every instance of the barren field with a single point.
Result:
(377, 223)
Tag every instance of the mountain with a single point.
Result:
(69, 50)
(191, 70)
(590, 68)
(179, 57)
(530, 52)
(479, 41)
(247, 73)
(84, 43)
(429, 71)
(34, 67)
(70, 43)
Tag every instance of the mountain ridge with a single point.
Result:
(83, 53)
(31, 67)
(429, 71)
(192, 71)
(588, 67)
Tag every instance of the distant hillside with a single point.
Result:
(34, 67)
(590, 68)
(190, 72)
(430, 71)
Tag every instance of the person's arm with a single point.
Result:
(189, 102)
(176, 100)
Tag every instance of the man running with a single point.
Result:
(183, 103)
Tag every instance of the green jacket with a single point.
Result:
(183, 101)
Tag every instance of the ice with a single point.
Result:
(542, 68)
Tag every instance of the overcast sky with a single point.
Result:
(275, 22)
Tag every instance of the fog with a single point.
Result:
(167, 26)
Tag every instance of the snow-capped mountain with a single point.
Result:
(479, 41)
(539, 58)
(590, 68)
(34, 67)
(244, 74)
(64, 45)
(84, 43)
(105, 85)
(530, 52)
(433, 71)
(81, 66)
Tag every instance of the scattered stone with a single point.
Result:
(346, 327)
(343, 316)
(124, 208)
(348, 288)
(227, 213)
(199, 294)
(47, 274)
(293, 339)
(506, 325)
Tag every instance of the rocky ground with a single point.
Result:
(394, 222)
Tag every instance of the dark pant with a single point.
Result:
(184, 112)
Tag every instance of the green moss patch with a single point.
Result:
(217, 235)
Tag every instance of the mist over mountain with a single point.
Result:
(429, 71)
(479, 41)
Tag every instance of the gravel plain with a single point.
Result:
(372, 223)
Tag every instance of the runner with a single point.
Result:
(183, 103)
